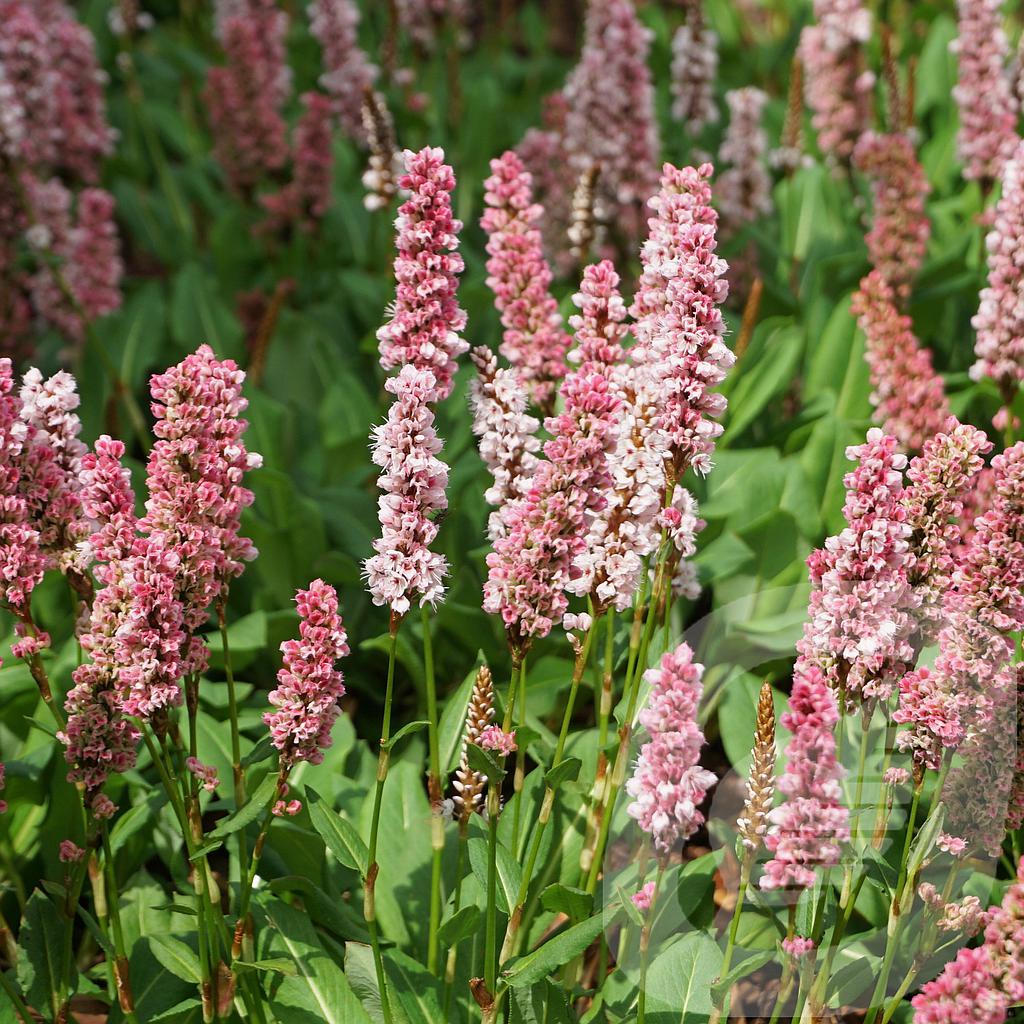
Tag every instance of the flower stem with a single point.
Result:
(434, 790)
(520, 770)
(124, 988)
(237, 775)
(645, 943)
(548, 803)
(383, 763)
(722, 1007)
(634, 676)
(491, 927)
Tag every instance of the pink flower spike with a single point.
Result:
(309, 686)
(679, 326)
(988, 108)
(205, 773)
(287, 808)
(668, 785)
(642, 899)
(534, 340)
(837, 87)
(532, 564)
(909, 396)
(694, 70)
(900, 227)
(507, 434)
(493, 737)
(413, 480)
(426, 321)
(808, 829)
(245, 96)
(70, 853)
(798, 946)
(610, 119)
(859, 611)
(999, 322)
(348, 72)
(744, 190)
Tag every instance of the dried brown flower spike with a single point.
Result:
(469, 785)
(753, 822)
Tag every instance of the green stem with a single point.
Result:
(16, 1001)
(645, 943)
(434, 790)
(722, 1009)
(617, 779)
(245, 897)
(369, 887)
(548, 802)
(519, 778)
(124, 988)
(237, 775)
(491, 926)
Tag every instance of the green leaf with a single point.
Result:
(567, 770)
(178, 958)
(486, 763)
(41, 962)
(319, 990)
(555, 953)
(135, 819)
(746, 966)
(575, 903)
(680, 980)
(255, 807)
(406, 730)
(463, 923)
(273, 965)
(417, 990)
(338, 834)
(262, 751)
(510, 873)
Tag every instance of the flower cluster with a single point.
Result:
(423, 18)
(85, 282)
(679, 324)
(744, 190)
(987, 105)
(983, 982)
(947, 468)
(900, 227)
(808, 828)
(858, 622)
(413, 480)
(348, 72)
(694, 70)
(307, 197)
(532, 564)
(999, 346)
(669, 785)
(54, 118)
(309, 685)
(508, 434)
(245, 96)
(22, 560)
(194, 478)
(610, 118)
(534, 340)
(159, 574)
(909, 396)
(837, 87)
(424, 328)
(542, 151)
